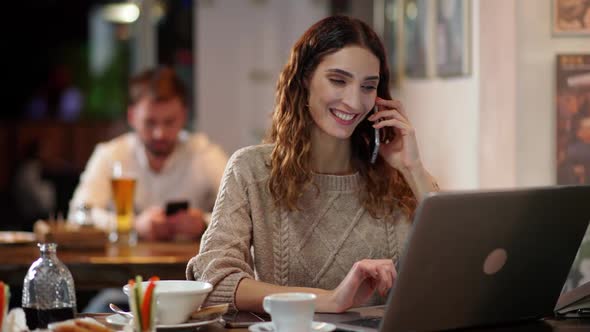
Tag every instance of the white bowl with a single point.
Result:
(176, 299)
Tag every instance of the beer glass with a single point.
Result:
(123, 188)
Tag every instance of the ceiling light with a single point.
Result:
(121, 12)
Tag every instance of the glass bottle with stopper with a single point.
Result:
(49, 294)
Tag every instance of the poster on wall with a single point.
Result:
(571, 17)
(417, 39)
(572, 100)
(392, 36)
(452, 38)
(573, 118)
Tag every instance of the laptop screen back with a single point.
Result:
(478, 258)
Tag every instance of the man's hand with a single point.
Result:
(152, 225)
(187, 225)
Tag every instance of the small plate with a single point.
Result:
(119, 320)
(11, 237)
(315, 326)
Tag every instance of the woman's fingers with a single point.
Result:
(386, 281)
(364, 278)
(391, 104)
(403, 127)
(388, 275)
(366, 270)
(386, 115)
(381, 273)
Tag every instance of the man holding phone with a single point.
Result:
(177, 174)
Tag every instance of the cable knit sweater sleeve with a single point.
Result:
(224, 257)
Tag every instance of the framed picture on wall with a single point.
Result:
(392, 38)
(573, 118)
(571, 17)
(453, 49)
(418, 53)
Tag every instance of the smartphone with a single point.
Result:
(387, 134)
(375, 141)
(176, 206)
(242, 319)
(383, 135)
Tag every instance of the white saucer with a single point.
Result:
(315, 326)
(119, 320)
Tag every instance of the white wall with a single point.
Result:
(497, 105)
(241, 48)
(444, 113)
(536, 134)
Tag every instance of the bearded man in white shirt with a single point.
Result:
(169, 163)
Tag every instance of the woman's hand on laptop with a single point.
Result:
(365, 277)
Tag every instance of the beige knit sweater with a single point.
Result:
(315, 247)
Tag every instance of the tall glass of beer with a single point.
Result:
(123, 188)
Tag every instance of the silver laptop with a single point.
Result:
(481, 258)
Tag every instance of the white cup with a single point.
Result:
(290, 312)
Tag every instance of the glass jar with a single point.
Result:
(49, 294)
(83, 215)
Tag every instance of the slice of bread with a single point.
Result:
(210, 312)
(85, 324)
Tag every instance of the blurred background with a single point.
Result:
(70, 65)
(487, 121)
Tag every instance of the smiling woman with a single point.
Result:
(315, 212)
(342, 90)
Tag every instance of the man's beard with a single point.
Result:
(160, 152)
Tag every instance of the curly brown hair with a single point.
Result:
(290, 170)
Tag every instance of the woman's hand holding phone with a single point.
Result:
(401, 151)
